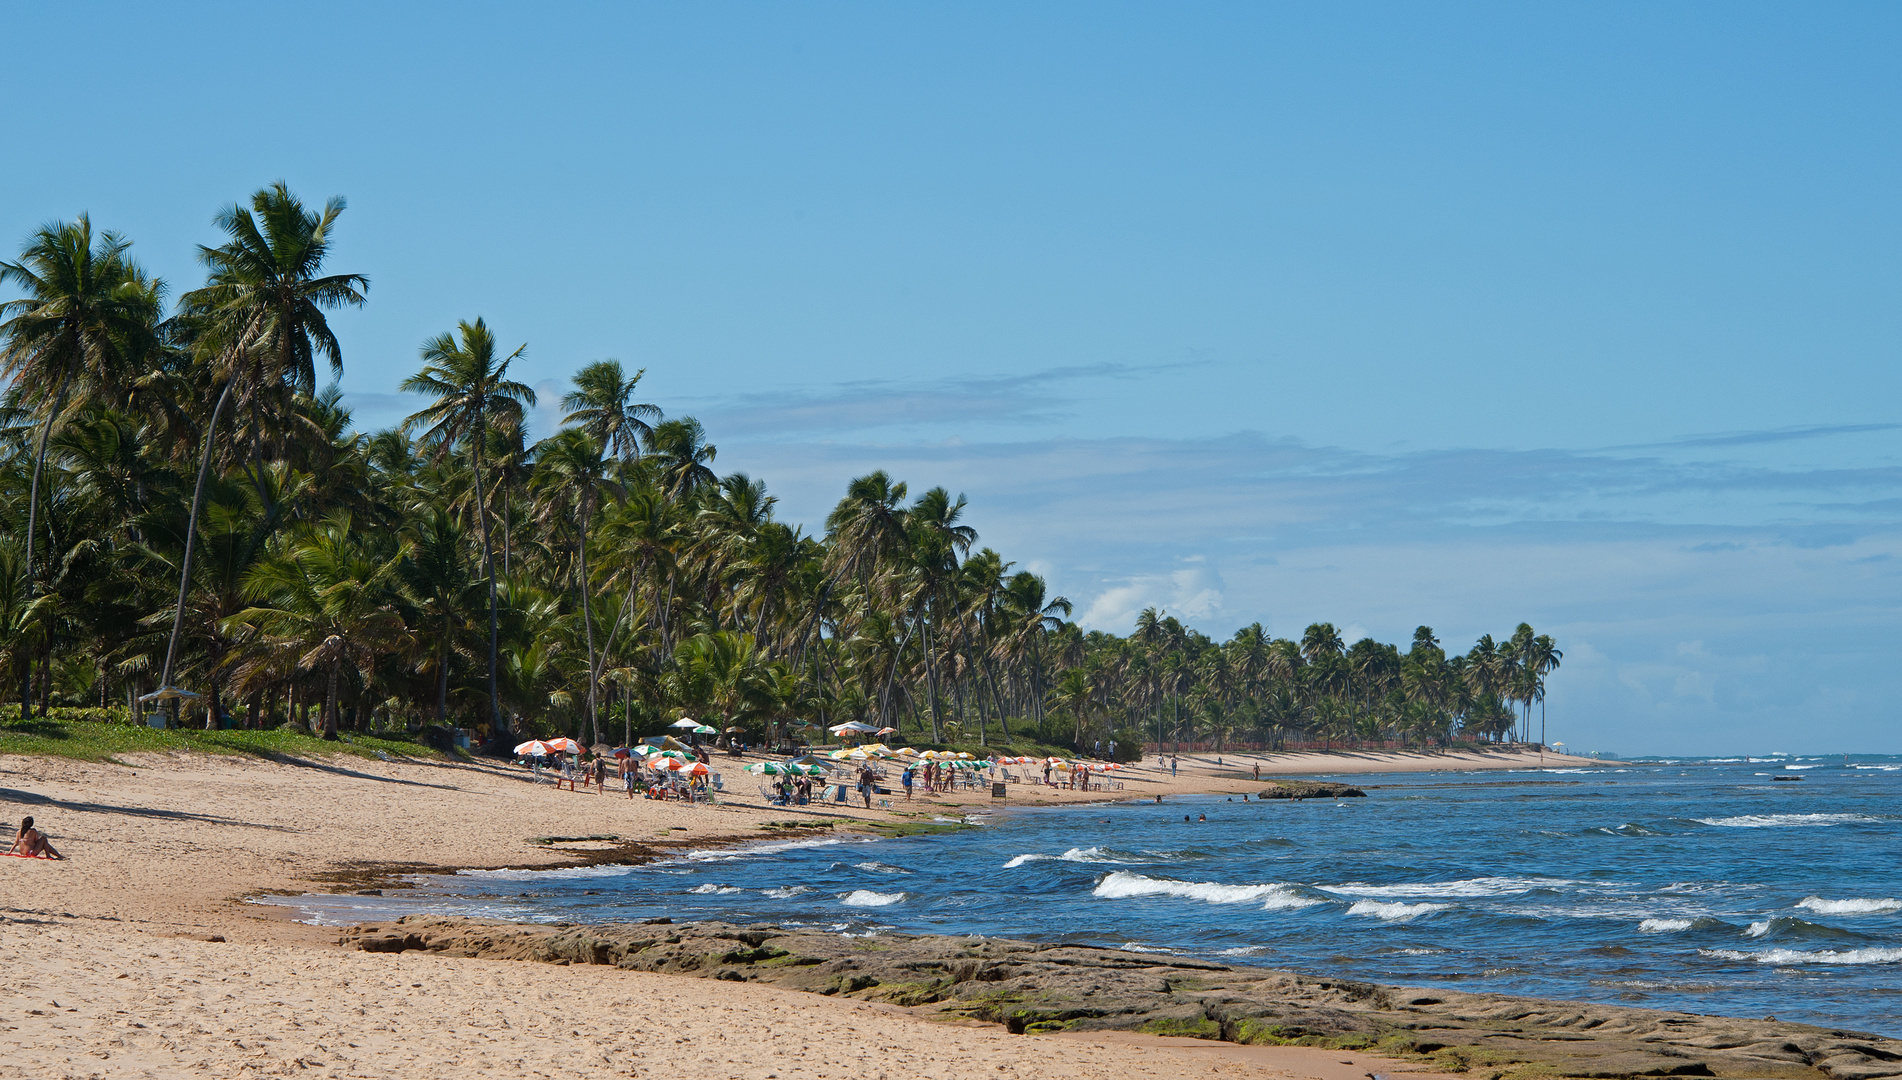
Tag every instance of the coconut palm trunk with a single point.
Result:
(32, 526)
(191, 534)
(498, 725)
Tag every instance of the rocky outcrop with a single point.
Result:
(1031, 988)
(1309, 789)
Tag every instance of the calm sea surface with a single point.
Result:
(1697, 885)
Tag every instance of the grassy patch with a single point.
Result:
(84, 740)
(1193, 1029)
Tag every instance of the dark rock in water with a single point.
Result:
(1033, 987)
(1786, 779)
(1308, 789)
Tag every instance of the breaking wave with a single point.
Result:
(1820, 956)
(1469, 888)
(1120, 884)
(1849, 907)
(1393, 911)
(868, 898)
(1773, 821)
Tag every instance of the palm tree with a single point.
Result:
(571, 464)
(473, 394)
(259, 323)
(326, 602)
(88, 310)
(681, 453)
(603, 405)
(437, 579)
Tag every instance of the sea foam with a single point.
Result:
(868, 898)
(1664, 926)
(1120, 884)
(1849, 907)
(711, 889)
(1393, 911)
(1773, 821)
(1820, 956)
(1079, 855)
(1466, 889)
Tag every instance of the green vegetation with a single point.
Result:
(182, 503)
(86, 739)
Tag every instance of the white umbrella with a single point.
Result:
(683, 722)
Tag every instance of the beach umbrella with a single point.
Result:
(705, 730)
(906, 751)
(886, 731)
(736, 731)
(622, 752)
(814, 769)
(696, 769)
(771, 768)
(533, 748)
(685, 724)
(564, 746)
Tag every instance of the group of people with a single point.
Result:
(1075, 775)
(793, 790)
(935, 777)
(575, 770)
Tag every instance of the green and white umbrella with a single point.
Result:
(772, 768)
(705, 730)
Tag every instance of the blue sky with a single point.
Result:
(1459, 314)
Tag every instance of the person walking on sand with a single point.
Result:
(567, 772)
(30, 842)
(905, 779)
(1174, 764)
(627, 776)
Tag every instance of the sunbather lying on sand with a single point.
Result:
(30, 842)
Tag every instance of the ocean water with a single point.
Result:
(1707, 886)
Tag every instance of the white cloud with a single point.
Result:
(1191, 593)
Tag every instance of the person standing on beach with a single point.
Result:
(627, 776)
(1174, 764)
(567, 772)
(905, 778)
(1257, 771)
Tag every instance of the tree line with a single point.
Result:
(187, 506)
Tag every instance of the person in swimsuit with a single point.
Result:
(627, 776)
(30, 842)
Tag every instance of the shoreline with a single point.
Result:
(1097, 992)
(150, 914)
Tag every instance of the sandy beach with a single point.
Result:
(140, 954)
